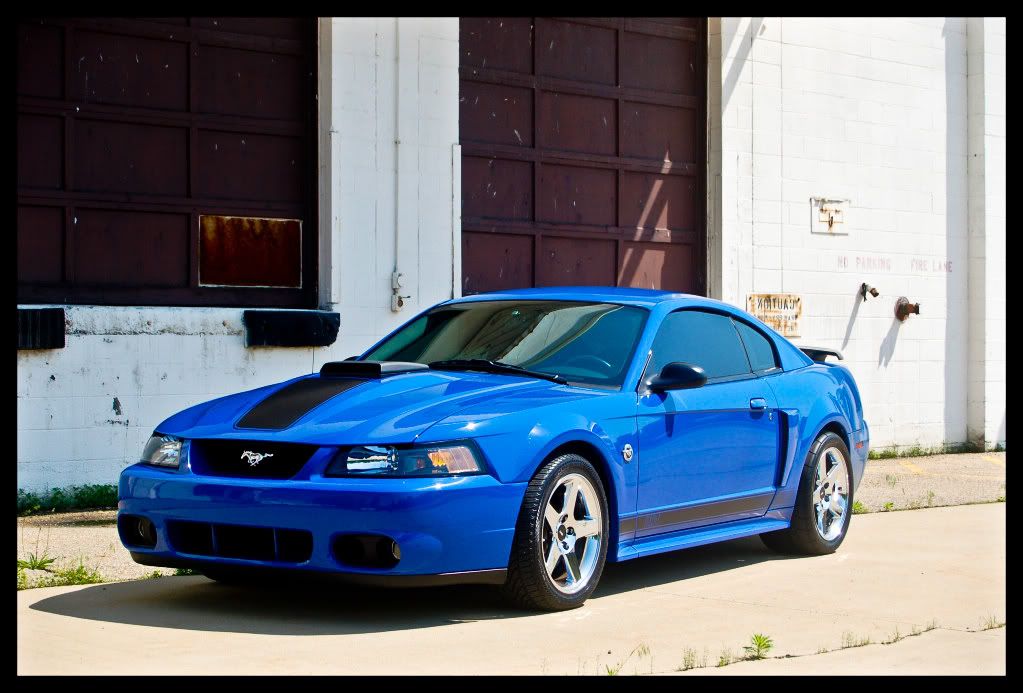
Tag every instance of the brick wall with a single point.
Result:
(874, 111)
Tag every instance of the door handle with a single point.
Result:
(758, 403)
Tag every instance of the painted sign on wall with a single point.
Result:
(780, 311)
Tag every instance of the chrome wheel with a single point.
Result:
(831, 493)
(571, 534)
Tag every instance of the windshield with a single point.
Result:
(588, 343)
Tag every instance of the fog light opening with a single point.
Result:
(366, 551)
(136, 530)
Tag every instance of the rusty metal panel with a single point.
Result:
(498, 43)
(586, 137)
(130, 158)
(137, 127)
(781, 311)
(577, 52)
(577, 123)
(125, 249)
(40, 60)
(40, 244)
(494, 261)
(249, 251)
(576, 261)
(40, 151)
(497, 188)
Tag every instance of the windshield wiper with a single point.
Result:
(494, 367)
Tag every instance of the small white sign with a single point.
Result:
(827, 216)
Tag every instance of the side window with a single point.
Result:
(758, 347)
(707, 340)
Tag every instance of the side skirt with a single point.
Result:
(684, 539)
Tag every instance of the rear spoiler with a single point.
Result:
(820, 354)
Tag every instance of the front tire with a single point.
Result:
(823, 509)
(561, 537)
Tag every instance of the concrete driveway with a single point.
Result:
(942, 567)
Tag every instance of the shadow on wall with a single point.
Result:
(956, 374)
(857, 300)
(887, 350)
(741, 56)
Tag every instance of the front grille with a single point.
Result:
(236, 541)
(248, 459)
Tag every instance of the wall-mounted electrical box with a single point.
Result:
(827, 216)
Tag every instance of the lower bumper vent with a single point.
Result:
(236, 541)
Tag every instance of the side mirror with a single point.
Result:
(677, 376)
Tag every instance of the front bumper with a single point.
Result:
(447, 528)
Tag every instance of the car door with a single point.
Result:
(707, 454)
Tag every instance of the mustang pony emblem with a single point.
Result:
(255, 458)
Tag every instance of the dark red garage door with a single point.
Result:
(166, 161)
(583, 147)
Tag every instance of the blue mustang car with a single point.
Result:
(521, 439)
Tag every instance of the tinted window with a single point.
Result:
(589, 343)
(758, 347)
(707, 340)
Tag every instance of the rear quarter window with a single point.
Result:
(758, 347)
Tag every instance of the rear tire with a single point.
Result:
(558, 552)
(817, 527)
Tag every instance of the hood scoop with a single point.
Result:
(369, 369)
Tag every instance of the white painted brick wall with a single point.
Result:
(874, 110)
(986, 242)
(156, 361)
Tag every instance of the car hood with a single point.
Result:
(394, 409)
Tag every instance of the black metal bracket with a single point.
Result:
(290, 328)
(40, 328)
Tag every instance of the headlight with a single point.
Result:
(388, 460)
(162, 451)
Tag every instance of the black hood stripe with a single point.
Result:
(291, 403)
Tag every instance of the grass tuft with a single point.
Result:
(859, 508)
(86, 497)
(893, 451)
(79, 575)
(185, 571)
(689, 659)
(759, 646)
(613, 670)
(850, 640)
(34, 562)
